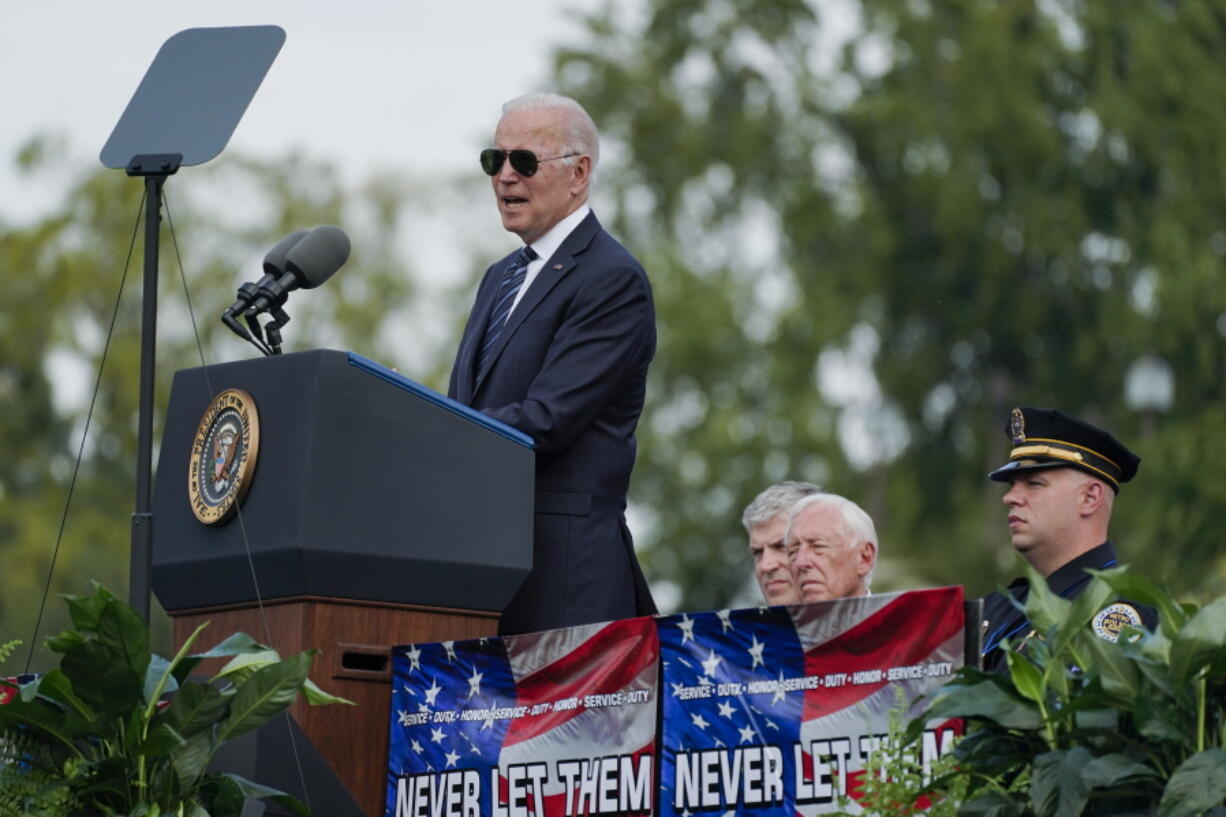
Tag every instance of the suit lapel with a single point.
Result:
(555, 269)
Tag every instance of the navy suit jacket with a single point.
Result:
(570, 370)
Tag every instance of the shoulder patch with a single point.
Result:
(1112, 619)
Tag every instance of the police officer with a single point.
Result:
(1063, 476)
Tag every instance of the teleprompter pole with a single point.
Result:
(155, 169)
(189, 101)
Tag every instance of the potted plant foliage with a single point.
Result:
(117, 730)
(1083, 726)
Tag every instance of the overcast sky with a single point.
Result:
(409, 85)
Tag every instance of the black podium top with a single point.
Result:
(367, 486)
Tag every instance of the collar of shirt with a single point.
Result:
(546, 246)
(1074, 573)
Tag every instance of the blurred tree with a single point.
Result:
(59, 288)
(875, 227)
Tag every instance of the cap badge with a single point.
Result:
(1017, 426)
(1112, 619)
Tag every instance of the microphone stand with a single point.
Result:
(273, 330)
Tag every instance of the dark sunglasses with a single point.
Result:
(523, 162)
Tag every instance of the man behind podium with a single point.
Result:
(557, 345)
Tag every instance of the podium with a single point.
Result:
(378, 513)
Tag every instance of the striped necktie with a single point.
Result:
(512, 280)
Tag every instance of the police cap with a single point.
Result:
(1049, 438)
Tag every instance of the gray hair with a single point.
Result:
(779, 498)
(857, 525)
(578, 130)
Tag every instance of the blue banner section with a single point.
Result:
(437, 750)
(709, 661)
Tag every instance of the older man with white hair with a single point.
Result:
(832, 548)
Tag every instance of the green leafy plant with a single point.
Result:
(6, 649)
(896, 782)
(30, 780)
(97, 733)
(1136, 726)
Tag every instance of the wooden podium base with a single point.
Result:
(354, 639)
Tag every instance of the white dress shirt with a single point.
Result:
(546, 246)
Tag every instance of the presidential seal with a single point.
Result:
(223, 456)
(1112, 619)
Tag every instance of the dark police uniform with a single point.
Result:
(1048, 438)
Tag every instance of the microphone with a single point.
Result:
(308, 263)
(274, 268)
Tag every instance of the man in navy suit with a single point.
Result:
(557, 345)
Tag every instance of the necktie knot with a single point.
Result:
(524, 257)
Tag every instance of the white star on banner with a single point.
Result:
(720, 743)
(725, 619)
(687, 628)
(488, 723)
(403, 716)
(779, 693)
(437, 735)
(677, 688)
(711, 664)
(414, 658)
(416, 747)
(433, 692)
(755, 652)
(423, 708)
(747, 734)
(449, 646)
(771, 725)
(726, 710)
(474, 683)
(699, 721)
(452, 757)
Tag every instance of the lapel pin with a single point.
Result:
(557, 266)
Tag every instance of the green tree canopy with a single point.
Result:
(61, 280)
(868, 246)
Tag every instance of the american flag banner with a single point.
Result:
(10, 688)
(776, 709)
(553, 724)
